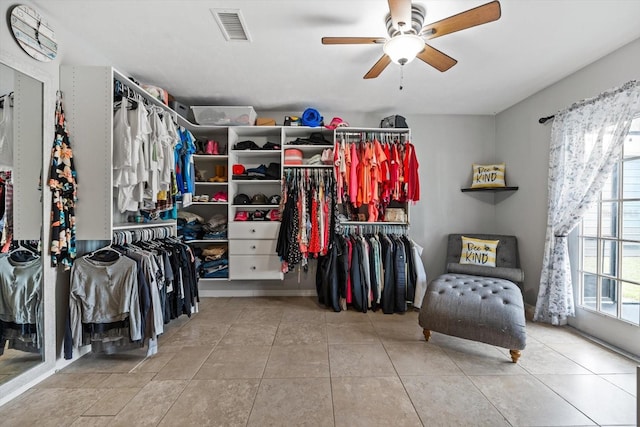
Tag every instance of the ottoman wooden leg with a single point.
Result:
(515, 355)
(427, 334)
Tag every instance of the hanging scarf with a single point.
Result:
(63, 185)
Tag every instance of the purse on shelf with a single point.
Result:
(395, 215)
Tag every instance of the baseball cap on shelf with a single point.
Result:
(275, 199)
(314, 138)
(259, 199)
(273, 215)
(241, 199)
(241, 216)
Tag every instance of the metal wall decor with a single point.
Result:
(33, 34)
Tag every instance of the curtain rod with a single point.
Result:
(543, 120)
(628, 85)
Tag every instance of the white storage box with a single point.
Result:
(224, 116)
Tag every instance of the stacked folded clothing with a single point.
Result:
(213, 262)
(215, 228)
(215, 269)
(193, 227)
(189, 225)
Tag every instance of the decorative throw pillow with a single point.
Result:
(479, 252)
(488, 176)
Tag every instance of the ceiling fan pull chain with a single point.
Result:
(401, 76)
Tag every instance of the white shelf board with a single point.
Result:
(134, 225)
(256, 181)
(308, 147)
(307, 166)
(211, 183)
(210, 156)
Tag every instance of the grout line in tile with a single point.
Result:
(185, 387)
(333, 406)
(264, 369)
(562, 397)
(386, 350)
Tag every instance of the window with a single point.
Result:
(609, 268)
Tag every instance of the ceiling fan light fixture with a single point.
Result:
(403, 48)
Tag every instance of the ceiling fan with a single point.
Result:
(407, 36)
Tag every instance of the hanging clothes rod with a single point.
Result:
(122, 80)
(121, 237)
(374, 228)
(395, 134)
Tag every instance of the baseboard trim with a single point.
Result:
(213, 293)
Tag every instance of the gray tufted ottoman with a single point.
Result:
(471, 302)
(484, 309)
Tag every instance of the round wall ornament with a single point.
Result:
(33, 34)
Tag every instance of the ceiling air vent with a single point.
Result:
(231, 24)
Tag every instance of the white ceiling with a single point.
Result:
(178, 45)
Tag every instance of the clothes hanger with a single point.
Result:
(23, 248)
(105, 253)
(6, 96)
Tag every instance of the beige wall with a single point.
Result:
(523, 144)
(446, 146)
(71, 50)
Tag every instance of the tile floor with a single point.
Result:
(288, 361)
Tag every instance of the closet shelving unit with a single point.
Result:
(252, 244)
(292, 133)
(209, 166)
(253, 263)
(88, 100)
(352, 134)
(207, 163)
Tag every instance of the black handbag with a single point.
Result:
(394, 121)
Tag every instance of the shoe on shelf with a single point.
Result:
(211, 147)
(221, 173)
(199, 146)
(200, 175)
(220, 196)
(204, 198)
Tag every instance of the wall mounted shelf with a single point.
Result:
(490, 189)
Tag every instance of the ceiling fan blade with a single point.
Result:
(378, 67)
(400, 11)
(477, 16)
(438, 60)
(353, 40)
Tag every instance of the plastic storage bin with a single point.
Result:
(224, 116)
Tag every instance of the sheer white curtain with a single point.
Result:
(586, 142)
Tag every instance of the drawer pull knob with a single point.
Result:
(253, 267)
(253, 230)
(253, 247)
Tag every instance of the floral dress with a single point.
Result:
(63, 185)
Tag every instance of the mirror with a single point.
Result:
(22, 325)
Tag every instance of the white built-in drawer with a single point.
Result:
(254, 230)
(252, 247)
(252, 267)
